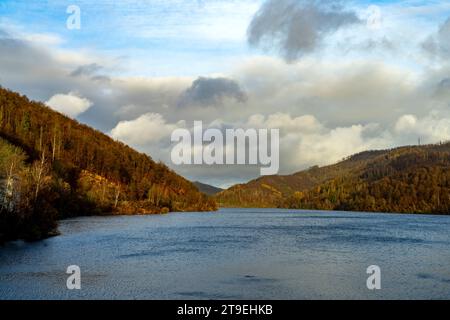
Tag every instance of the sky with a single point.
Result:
(335, 77)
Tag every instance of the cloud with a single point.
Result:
(383, 44)
(297, 27)
(305, 141)
(147, 129)
(406, 123)
(86, 70)
(211, 92)
(24, 65)
(286, 123)
(349, 92)
(432, 128)
(3, 34)
(69, 104)
(43, 38)
(37, 71)
(333, 145)
(438, 45)
(16, 51)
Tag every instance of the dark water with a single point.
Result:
(235, 254)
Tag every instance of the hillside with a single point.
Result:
(207, 189)
(413, 179)
(54, 166)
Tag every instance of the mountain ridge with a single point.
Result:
(207, 189)
(354, 184)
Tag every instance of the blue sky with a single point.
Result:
(205, 34)
(175, 37)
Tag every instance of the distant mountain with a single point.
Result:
(207, 189)
(52, 167)
(412, 179)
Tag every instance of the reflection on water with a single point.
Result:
(235, 254)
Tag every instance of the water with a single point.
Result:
(235, 254)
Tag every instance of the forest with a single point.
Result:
(412, 179)
(52, 167)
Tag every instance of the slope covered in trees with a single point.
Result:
(207, 189)
(404, 180)
(57, 168)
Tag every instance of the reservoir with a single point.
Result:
(235, 254)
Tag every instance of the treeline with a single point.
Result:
(409, 180)
(404, 180)
(85, 171)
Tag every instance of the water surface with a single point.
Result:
(235, 254)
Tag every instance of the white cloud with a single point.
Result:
(335, 144)
(69, 104)
(406, 123)
(305, 141)
(146, 130)
(432, 128)
(286, 123)
(41, 39)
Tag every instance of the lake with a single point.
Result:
(235, 254)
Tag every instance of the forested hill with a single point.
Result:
(53, 164)
(207, 189)
(413, 179)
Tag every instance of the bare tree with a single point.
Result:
(11, 168)
(54, 145)
(39, 171)
(117, 195)
(41, 133)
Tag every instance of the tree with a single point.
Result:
(11, 163)
(39, 172)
